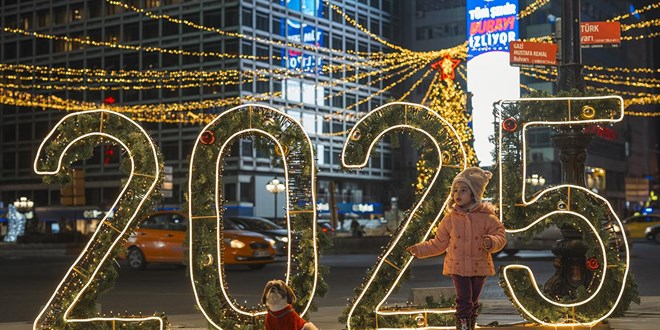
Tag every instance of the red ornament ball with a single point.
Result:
(510, 125)
(207, 137)
(593, 264)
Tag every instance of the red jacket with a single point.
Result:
(284, 319)
(461, 235)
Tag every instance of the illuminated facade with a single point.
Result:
(248, 171)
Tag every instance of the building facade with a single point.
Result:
(314, 100)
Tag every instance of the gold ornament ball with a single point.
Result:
(284, 148)
(446, 157)
(356, 135)
(562, 205)
(207, 260)
(419, 318)
(588, 112)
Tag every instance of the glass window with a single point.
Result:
(8, 160)
(263, 22)
(212, 18)
(8, 133)
(247, 192)
(230, 191)
(158, 221)
(176, 222)
(231, 17)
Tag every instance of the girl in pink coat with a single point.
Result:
(469, 234)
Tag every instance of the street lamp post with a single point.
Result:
(24, 205)
(395, 208)
(572, 143)
(275, 186)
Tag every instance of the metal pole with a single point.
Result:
(570, 68)
(572, 143)
(275, 194)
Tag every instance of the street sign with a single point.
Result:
(524, 53)
(600, 34)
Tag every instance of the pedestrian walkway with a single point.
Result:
(645, 316)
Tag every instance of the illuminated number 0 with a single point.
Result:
(206, 211)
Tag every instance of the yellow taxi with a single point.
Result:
(638, 223)
(159, 239)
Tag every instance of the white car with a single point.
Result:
(545, 240)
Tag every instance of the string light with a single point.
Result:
(636, 12)
(640, 37)
(353, 55)
(532, 7)
(414, 86)
(639, 25)
(134, 48)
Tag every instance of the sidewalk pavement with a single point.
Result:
(644, 316)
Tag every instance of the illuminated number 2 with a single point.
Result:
(566, 202)
(83, 276)
(206, 206)
(394, 261)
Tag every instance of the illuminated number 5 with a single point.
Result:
(206, 207)
(83, 277)
(562, 204)
(394, 261)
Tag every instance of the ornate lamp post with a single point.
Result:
(24, 205)
(275, 186)
(572, 143)
(536, 180)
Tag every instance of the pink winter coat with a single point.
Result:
(461, 235)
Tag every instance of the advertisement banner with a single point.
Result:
(300, 32)
(491, 26)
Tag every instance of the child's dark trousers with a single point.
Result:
(468, 290)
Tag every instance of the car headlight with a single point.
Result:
(270, 240)
(282, 238)
(234, 243)
(647, 230)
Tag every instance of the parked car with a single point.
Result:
(547, 238)
(159, 239)
(653, 233)
(638, 223)
(265, 227)
(326, 227)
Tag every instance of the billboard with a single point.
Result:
(300, 32)
(491, 25)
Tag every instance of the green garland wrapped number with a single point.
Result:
(367, 310)
(73, 304)
(205, 205)
(527, 210)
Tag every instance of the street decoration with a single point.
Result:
(527, 211)
(15, 224)
(205, 212)
(368, 309)
(73, 138)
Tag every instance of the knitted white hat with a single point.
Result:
(476, 179)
